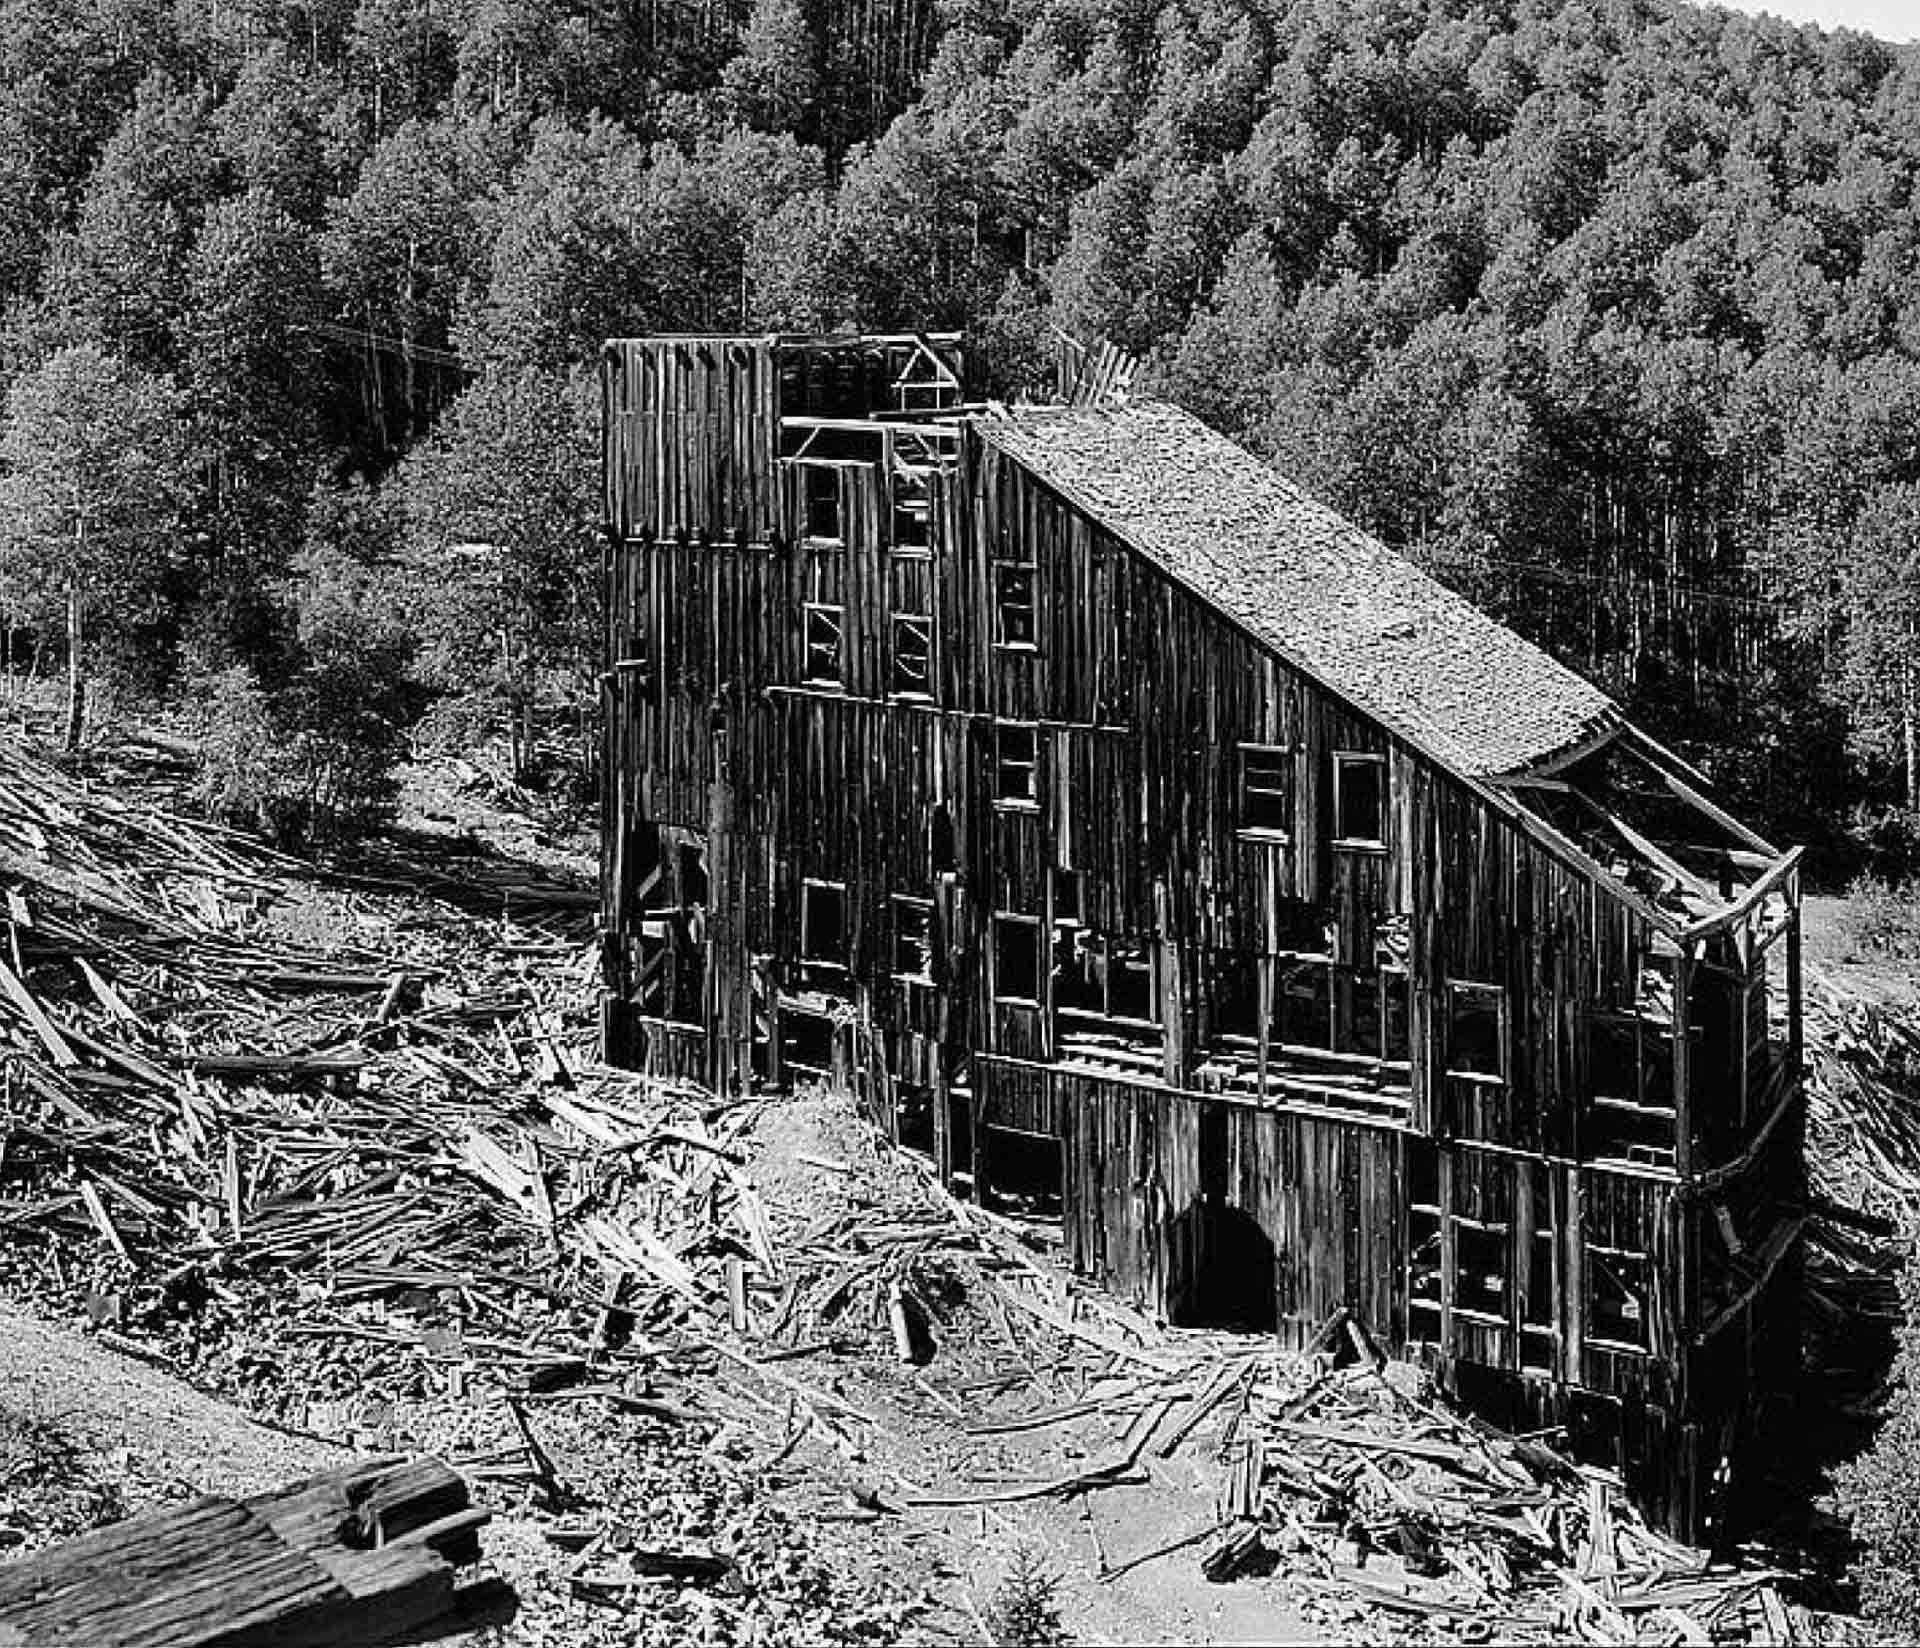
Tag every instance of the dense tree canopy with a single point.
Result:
(1603, 309)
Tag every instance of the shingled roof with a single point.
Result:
(1328, 598)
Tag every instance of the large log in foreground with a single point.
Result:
(364, 1554)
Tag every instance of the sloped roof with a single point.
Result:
(1328, 598)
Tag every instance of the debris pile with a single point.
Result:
(345, 1177)
(340, 1146)
(1388, 1510)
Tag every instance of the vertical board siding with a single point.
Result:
(1199, 1164)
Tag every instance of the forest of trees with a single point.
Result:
(1605, 310)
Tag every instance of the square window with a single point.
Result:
(823, 922)
(1016, 959)
(822, 502)
(1477, 1030)
(913, 939)
(823, 645)
(1013, 595)
(912, 655)
(1266, 790)
(1016, 765)
(1360, 799)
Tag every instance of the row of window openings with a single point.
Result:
(912, 667)
(912, 511)
(1316, 1004)
(1618, 1292)
(912, 672)
(1359, 794)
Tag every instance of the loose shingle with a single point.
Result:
(1331, 600)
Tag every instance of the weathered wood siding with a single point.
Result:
(1064, 780)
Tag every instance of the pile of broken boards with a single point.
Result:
(390, 1158)
(1394, 1516)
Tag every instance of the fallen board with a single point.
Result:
(362, 1555)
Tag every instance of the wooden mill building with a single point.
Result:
(1167, 857)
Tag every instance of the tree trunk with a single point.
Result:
(516, 751)
(76, 672)
(1907, 732)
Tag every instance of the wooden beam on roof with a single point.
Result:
(1661, 859)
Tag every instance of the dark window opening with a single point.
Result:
(1067, 904)
(1423, 1173)
(822, 501)
(1016, 765)
(1130, 993)
(1023, 1172)
(1618, 1298)
(1107, 978)
(960, 1142)
(1613, 1052)
(1424, 1273)
(824, 625)
(912, 516)
(1357, 1022)
(1476, 1039)
(1481, 1264)
(1360, 799)
(942, 848)
(1540, 1268)
(1656, 1069)
(653, 970)
(1016, 959)
(1013, 599)
(1396, 1015)
(1303, 928)
(913, 1117)
(1079, 971)
(1235, 981)
(1266, 789)
(693, 876)
(689, 975)
(912, 655)
(913, 938)
(823, 922)
(1303, 1002)
(806, 1042)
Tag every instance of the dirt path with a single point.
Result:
(162, 1438)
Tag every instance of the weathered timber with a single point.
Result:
(364, 1554)
(1165, 857)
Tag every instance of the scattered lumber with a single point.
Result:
(364, 1554)
(393, 1152)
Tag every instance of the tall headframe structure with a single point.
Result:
(1165, 856)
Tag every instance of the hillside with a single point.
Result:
(1601, 309)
